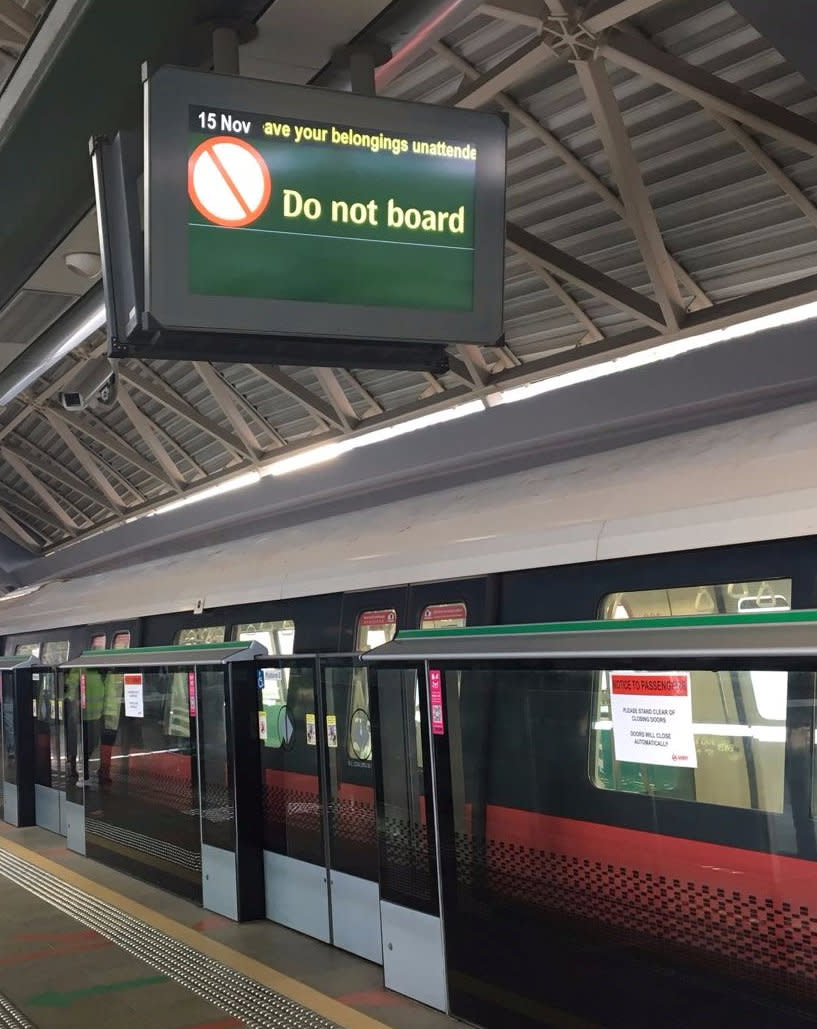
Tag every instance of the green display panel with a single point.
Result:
(295, 210)
(291, 211)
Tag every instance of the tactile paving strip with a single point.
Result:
(11, 1017)
(255, 1005)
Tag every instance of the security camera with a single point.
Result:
(94, 383)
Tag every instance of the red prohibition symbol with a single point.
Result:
(228, 181)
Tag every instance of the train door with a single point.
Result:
(413, 953)
(320, 838)
(321, 867)
(293, 796)
(17, 741)
(351, 822)
(408, 894)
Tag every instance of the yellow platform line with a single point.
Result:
(308, 996)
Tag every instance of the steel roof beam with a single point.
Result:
(20, 535)
(592, 332)
(581, 170)
(323, 414)
(10, 497)
(44, 464)
(29, 399)
(769, 165)
(732, 312)
(607, 13)
(147, 430)
(580, 274)
(479, 374)
(42, 491)
(434, 385)
(11, 40)
(157, 389)
(225, 397)
(337, 397)
(642, 57)
(518, 65)
(86, 459)
(604, 108)
(519, 12)
(17, 18)
(375, 407)
(561, 8)
(94, 428)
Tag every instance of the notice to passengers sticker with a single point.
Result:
(652, 718)
(134, 695)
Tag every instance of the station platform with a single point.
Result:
(83, 944)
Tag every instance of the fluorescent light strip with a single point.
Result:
(660, 352)
(330, 451)
(319, 455)
(22, 591)
(245, 479)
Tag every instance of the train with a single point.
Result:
(718, 521)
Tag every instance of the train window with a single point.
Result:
(27, 650)
(121, 640)
(99, 642)
(738, 718)
(277, 637)
(444, 616)
(55, 652)
(202, 634)
(373, 629)
(723, 599)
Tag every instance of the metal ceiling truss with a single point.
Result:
(70, 474)
(16, 26)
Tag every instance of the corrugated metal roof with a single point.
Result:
(724, 218)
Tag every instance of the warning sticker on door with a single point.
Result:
(191, 693)
(262, 725)
(134, 698)
(435, 693)
(652, 718)
(311, 738)
(332, 730)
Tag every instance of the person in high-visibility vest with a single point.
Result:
(111, 713)
(71, 718)
(91, 706)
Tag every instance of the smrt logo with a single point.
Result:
(680, 757)
(228, 181)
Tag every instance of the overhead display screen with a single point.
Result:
(279, 209)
